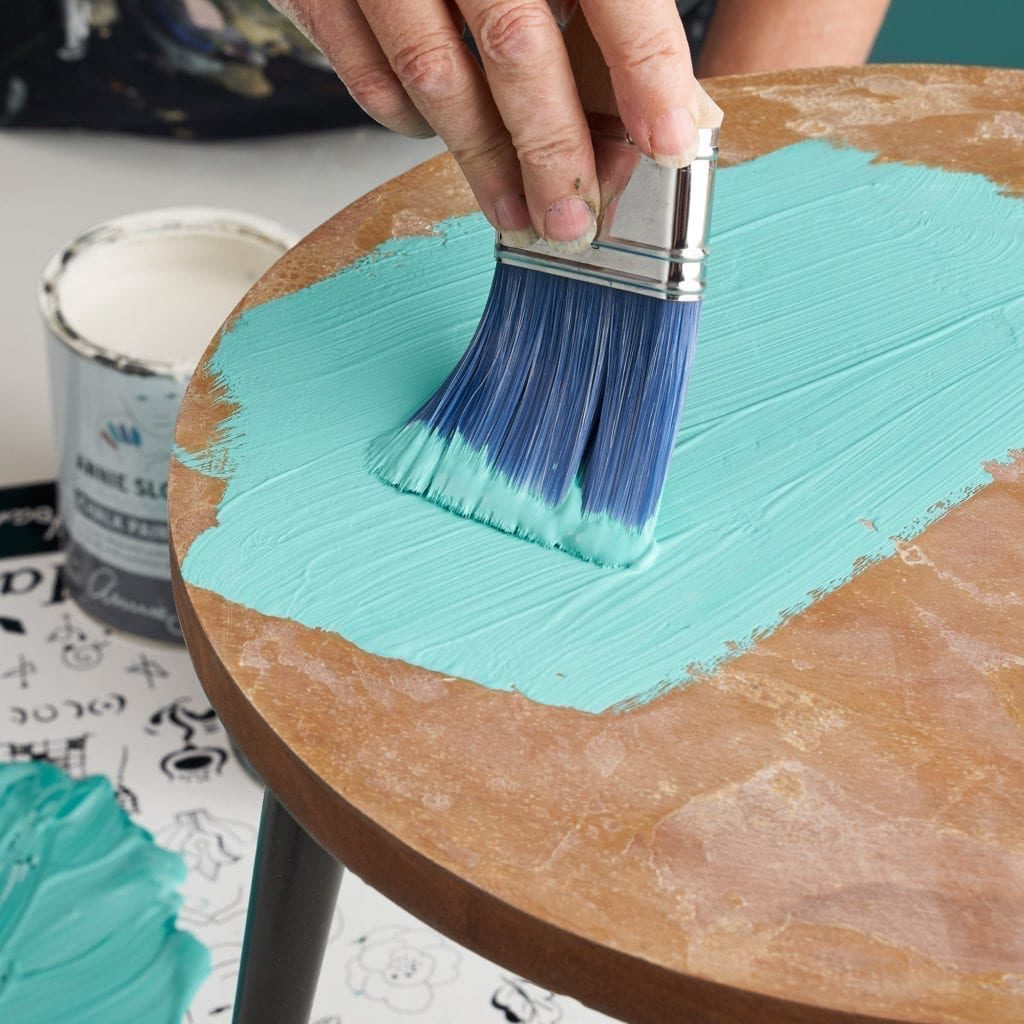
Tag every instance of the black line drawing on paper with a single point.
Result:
(191, 763)
(126, 798)
(522, 1002)
(21, 671)
(210, 1001)
(179, 716)
(20, 581)
(66, 632)
(9, 624)
(67, 753)
(200, 912)
(206, 842)
(77, 650)
(148, 669)
(44, 714)
(85, 655)
(58, 590)
(108, 704)
(401, 966)
(194, 764)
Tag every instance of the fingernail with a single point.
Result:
(569, 225)
(513, 219)
(674, 138)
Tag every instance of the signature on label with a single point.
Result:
(101, 586)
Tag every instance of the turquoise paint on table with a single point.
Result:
(87, 908)
(860, 357)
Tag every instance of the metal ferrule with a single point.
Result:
(652, 238)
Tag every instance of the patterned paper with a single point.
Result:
(98, 702)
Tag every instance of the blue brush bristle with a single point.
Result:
(566, 387)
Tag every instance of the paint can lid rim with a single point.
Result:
(166, 221)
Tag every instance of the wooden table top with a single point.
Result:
(838, 808)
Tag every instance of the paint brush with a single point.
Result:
(559, 421)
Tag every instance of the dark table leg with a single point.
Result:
(294, 889)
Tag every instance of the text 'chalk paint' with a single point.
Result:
(861, 356)
(87, 908)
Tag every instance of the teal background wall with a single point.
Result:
(953, 32)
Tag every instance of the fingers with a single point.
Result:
(644, 46)
(428, 57)
(520, 135)
(531, 81)
(339, 30)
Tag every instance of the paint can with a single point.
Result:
(129, 307)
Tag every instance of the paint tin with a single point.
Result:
(129, 307)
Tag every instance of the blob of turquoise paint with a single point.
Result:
(860, 358)
(87, 908)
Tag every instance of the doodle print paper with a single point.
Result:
(98, 702)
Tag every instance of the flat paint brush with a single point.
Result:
(559, 421)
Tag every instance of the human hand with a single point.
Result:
(517, 129)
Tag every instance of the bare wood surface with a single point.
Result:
(827, 829)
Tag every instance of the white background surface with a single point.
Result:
(54, 185)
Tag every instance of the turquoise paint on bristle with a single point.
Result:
(462, 479)
(558, 423)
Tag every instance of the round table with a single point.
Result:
(857, 774)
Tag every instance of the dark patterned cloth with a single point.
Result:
(188, 68)
(191, 68)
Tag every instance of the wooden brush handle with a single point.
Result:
(593, 79)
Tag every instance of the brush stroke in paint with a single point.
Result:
(861, 355)
(87, 908)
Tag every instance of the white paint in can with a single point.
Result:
(130, 307)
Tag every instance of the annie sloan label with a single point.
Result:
(129, 306)
(137, 604)
(113, 492)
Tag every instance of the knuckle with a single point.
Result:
(374, 88)
(428, 65)
(510, 31)
(486, 154)
(543, 154)
(648, 52)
